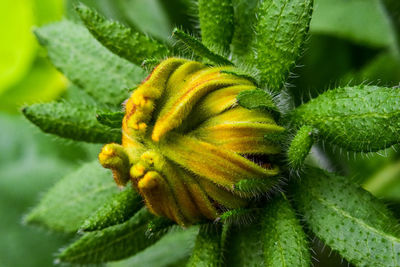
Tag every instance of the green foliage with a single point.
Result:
(207, 251)
(149, 18)
(281, 28)
(112, 243)
(244, 17)
(111, 119)
(359, 118)
(30, 163)
(348, 219)
(255, 187)
(121, 40)
(117, 210)
(245, 245)
(300, 146)
(285, 243)
(76, 122)
(199, 48)
(74, 198)
(255, 99)
(103, 75)
(181, 241)
(263, 39)
(216, 23)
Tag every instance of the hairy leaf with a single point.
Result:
(111, 119)
(112, 243)
(148, 16)
(173, 248)
(244, 17)
(348, 219)
(244, 246)
(255, 99)
(74, 198)
(117, 210)
(207, 251)
(360, 118)
(123, 41)
(72, 49)
(238, 216)
(285, 243)
(198, 48)
(255, 187)
(216, 23)
(300, 147)
(73, 121)
(280, 32)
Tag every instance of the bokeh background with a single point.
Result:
(352, 41)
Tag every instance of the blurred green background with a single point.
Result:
(351, 42)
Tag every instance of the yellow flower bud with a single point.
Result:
(186, 142)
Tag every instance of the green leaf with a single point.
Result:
(280, 32)
(244, 246)
(112, 243)
(150, 18)
(216, 23)
(115, 211)
(360, 118)
(103, 75)
(348, 219)
(160, 254)
(362, 21)
(198, 48)
(300, 147)
(74, 198)
(256, 99)
(244, 17)
(207, 251)
(237, 216)
(255, 187)
(121, 40)
(285, 243)
(111, 119)
(159, 225)
(73, 121)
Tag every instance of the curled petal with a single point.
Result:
(215, 103)
(177, 108)
(209, 161)
(241, 131)
(113, 156)
(159, 198)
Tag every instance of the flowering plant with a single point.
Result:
(204, 136)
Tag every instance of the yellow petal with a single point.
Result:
(140, 106)
(216, 102)
(218, 165)
(159, 198)
(175, 112)
(199, 196)
(175, 183)
(221, 195)
(113, 156)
